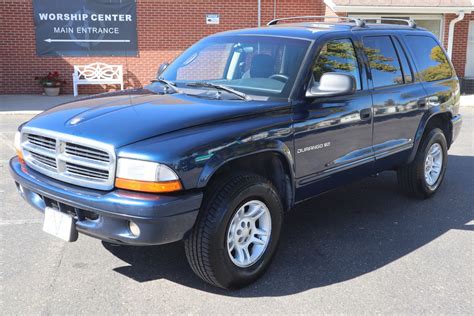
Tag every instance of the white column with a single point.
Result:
(259, 13)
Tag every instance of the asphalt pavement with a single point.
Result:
(363, 248)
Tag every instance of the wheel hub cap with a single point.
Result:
(433, 164)
(248, 234)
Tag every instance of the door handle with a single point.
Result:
(433, 101)
(421, 103)
(365, 114)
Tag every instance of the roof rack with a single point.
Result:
(409, 22)
(357, 21)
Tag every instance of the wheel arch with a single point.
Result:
(274, 161)
(432, 119)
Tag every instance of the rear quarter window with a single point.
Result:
(430, 59)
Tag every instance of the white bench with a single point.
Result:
(97, 73)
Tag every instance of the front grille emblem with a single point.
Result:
(75, 120)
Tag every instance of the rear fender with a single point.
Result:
(425, 120)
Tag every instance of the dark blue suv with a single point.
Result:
(235, 132)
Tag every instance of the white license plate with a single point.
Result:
(59, 224)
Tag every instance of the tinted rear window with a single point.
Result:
(383, 61)
(430, 59)
(407, 74)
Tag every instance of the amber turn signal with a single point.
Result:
(148, 186)
(17, 145)
(20, 156)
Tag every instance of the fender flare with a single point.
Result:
(427, 116)
(243, 150)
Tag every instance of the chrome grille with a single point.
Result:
(69, 158)
(42, 141)
(86, 172)
(44, 160)
(86, 152)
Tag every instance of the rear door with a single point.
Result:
(398, 99)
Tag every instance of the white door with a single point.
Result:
(470, 52)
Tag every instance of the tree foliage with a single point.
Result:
(335, 56)
(440, 71)
(378, 61)
(339, 55)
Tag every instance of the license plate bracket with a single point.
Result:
(59, 224)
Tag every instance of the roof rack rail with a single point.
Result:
(409, 22)
(359, 22)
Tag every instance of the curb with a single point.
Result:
(20, 112)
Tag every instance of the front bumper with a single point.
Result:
(106, 214)
(456, 123)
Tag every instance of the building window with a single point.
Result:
(433, 23)
(434, 26)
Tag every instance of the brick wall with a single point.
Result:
(164, 28)
(460, 41)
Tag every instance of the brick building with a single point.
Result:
(166, 27)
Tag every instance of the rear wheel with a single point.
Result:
(424, 175)
(237, 231)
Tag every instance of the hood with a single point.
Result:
(123, 119)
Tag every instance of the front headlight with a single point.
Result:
(145, 176)
(17, 145)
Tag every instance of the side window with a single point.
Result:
(406, 69)
(383, 61)
(337, 56)
(430, 59)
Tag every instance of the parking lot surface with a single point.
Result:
(363, 248)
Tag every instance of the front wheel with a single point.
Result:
(237, 231)
(424, 175)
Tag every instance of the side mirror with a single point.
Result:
(332, 84)
(162, 68)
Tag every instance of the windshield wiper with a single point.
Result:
(222, 87)
(168, 84)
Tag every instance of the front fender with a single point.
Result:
(245, 149)
(196, 153)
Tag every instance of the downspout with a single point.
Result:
(274, 9)
(451, 32)
(259, 13)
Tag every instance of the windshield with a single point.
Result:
(255, 65)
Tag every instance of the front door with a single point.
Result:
(333, 135)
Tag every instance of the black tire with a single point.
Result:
(411, 177)
(206, 248)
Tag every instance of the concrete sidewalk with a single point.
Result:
(32, 103)
(467, 100)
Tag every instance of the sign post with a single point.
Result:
(86, 27)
